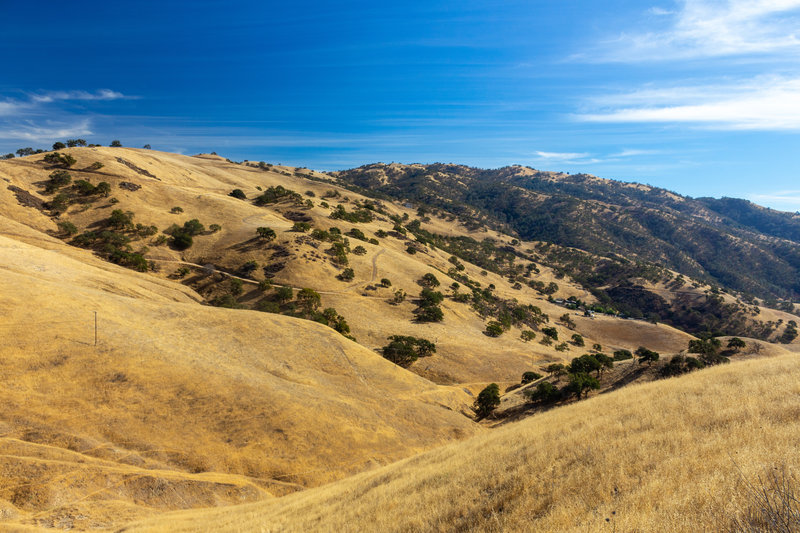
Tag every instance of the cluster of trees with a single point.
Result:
(183, 236)
(59, 179)
(403, 350)
(646, 223)
(277, 194)
(58, 159)
(358, 215)
(305, 304)
(789, 333)
(58, 145)
(428, 306)
(114, 243)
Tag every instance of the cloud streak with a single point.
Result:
(35, 133)
(20, 118)
(791, 198)
(765, 103)
(102, 94)
(712, 28)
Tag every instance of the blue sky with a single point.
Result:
(699, 96)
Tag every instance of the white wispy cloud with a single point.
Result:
(572, 158)
(633, 152)
(790, 198)
(8, 107)
(764, 103)
(710, 28)
(37, 133)
(561, 156)
(21, 119)
(52, 96)
(660, 11)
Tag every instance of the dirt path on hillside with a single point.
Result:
(375, 264)
(254, 282)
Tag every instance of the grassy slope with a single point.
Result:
(662, 456)
(200, 186)
(270, 403)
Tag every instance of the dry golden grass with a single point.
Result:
(181, 405)
(664, 456)
(200, 185)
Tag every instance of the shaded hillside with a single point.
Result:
(731, 243)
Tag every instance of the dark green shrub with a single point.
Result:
(236, 286)
(404, 350)
(103, 189)
(494, 329)
(265, 233)
(543, 392)
(645, 355)
(581, 383)
(238, 193)
(528, 377)
(181, 240)
(551, 332)
(488, 400)
(301, 227)
(284, 294)
(121, 220)
(622, 355)
(57, 179)
(347, 275)
(67, 227)
(429, 280)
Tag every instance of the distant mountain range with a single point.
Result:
(728, 242)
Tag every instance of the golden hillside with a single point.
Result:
(674, 455)
(181, 405)
(200, 187)
(176, 404)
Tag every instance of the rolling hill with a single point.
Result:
(184, 332)
(675, 455)
(729, 242)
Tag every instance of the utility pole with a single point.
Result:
(95, 328)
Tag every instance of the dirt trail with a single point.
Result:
(252, 281)
(375, 264)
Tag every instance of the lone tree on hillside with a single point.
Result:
(116, 144)
(487, 401)
(121, 220)
(429, 280)
(284, 294)
(309, 300)
(551, 332)
(736, 344)
(59, 145)
(645, 355)
(265, 233)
